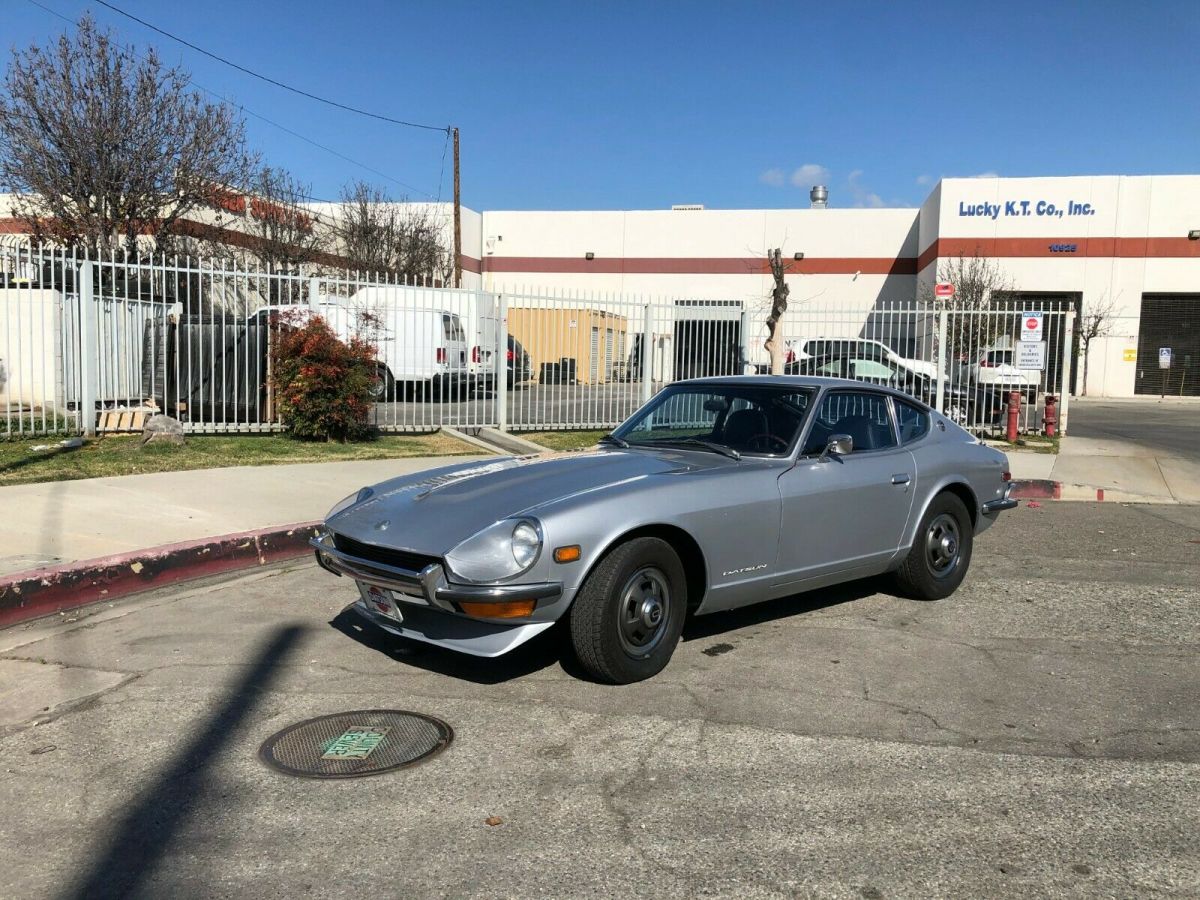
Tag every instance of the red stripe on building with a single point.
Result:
(1095, 247)
(686, 265)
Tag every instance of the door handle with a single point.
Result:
(901, 478)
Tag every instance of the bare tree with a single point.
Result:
(285, 235)
(103, 144)
(1095, 321)
(779, 305)
(367, 228)
(379, 234)
(978, 313)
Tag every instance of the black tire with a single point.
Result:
(941, 552)
(605, 631)
(386, 391)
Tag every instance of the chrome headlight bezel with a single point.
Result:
(346, 502)
(490, 555)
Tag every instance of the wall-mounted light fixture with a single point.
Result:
(797, 256)
(589, 255)
(1194, 234)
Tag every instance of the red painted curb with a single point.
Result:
(1036, 489)
(41, 592)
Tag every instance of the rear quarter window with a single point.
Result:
(913, 422)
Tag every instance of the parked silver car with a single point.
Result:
(716, 494)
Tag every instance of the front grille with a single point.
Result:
(400, 559)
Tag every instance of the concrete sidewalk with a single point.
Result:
(1123, 470)
(65, 521)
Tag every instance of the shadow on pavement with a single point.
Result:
(783, 608)
(545, 650)
(148, 824)
(551, 647)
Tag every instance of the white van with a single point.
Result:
(422, 348)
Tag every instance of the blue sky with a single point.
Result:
(567, 105)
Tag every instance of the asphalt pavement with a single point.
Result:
(1037, 734)
(1171, 427)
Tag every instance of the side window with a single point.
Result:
(447, 328)
(864, 416)
(914, 422)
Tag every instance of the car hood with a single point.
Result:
(432, 512)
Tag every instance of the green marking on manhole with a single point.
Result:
(352, 744)
(356, 742)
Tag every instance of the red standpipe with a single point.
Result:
(1014, 413)
(1051, 415)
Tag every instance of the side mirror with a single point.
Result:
(838, 445)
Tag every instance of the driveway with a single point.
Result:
(1037, 734)
(1170, 428)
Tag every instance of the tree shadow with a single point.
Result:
(146, 826)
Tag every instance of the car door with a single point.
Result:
(845, 515)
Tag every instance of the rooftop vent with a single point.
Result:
(818, 196)
(688, 206)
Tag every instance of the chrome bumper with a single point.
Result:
(429, 583)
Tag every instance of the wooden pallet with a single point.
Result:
(124, 419)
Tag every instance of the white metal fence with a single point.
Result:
(85, 344)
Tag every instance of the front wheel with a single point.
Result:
(941, 553)
(628, 615)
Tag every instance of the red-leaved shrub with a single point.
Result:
(322, 385)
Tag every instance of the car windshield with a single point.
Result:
(760, 420)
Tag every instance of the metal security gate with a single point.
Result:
(1171, 323)
(85, 341)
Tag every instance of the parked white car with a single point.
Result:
(863, 348)
(424, 348)
(994, 370)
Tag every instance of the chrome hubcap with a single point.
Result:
(643, 611)
(942, 545)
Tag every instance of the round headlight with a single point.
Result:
(526, 542)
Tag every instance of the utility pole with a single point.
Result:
(457, 219)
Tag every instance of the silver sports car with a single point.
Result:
(717, 493)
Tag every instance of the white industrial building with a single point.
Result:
(1129, 241)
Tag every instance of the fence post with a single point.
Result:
(647, 356)
(1065, 393)
(87, 348)
(744, 343)
(314, 293)
(501, 356)
(942, 362)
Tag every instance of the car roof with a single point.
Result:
(797, 381)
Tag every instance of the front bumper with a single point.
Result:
(430, 582)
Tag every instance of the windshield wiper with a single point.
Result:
(613, 439)
(712, 446)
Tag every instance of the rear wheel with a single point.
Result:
(941, 552)
(384, 389)
(628, 615)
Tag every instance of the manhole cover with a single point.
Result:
(350, 744)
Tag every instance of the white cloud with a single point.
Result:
(985, 175)
(924, 180)
(860, 194)
(773, 177)
(810, 174)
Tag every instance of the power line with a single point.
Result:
(279, 84)
(275, 124)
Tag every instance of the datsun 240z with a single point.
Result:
(717, 493)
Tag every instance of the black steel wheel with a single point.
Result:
(941, 552)
(628, 615)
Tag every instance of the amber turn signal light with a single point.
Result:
(506, 609)
(567, 554)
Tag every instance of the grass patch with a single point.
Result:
(124, 455)
(565, 440)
